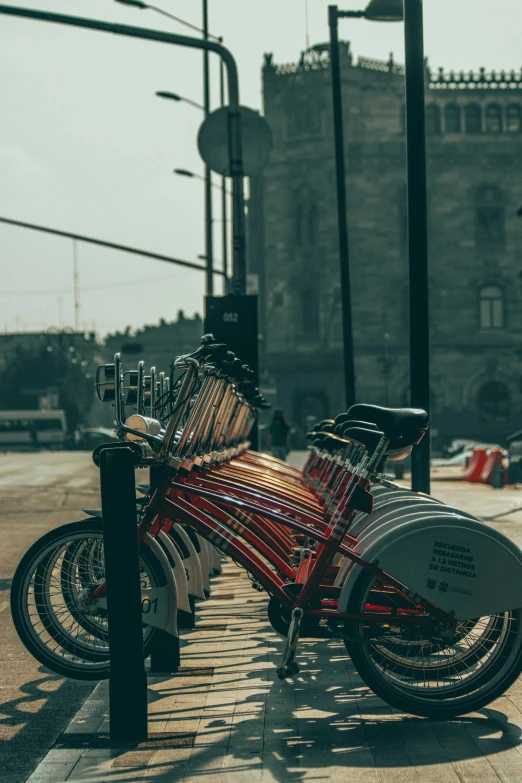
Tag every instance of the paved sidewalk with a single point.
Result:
(231, 719)
(226, 717)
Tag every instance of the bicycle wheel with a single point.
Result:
(425, 672)
(49, 605)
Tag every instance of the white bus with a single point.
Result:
(32, 429)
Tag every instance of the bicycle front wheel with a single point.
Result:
(52, 617)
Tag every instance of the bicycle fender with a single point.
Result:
(170, 622)
(180, 576)
(191, 563)
(204, 559)
(402, 513)
(378, 523)
(460, 565)
(154, 606)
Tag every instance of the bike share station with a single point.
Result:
(426, 599)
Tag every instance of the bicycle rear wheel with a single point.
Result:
(424, 673)
(52, 617)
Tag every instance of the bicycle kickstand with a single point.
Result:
(289, 666)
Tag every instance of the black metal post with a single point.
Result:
(342, 221)
(127, 679)
(209, 245)
(417, 234)
(224, 227)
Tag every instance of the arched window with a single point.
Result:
(473, 117)
(312, 225)
(310, 312)
(489, 217)
(491, 307)
(452, 122)
(493, 118)
(299, 227)
(513, 121)
(432, 120)
(493, 400)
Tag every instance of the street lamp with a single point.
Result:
(140, 4)
(411, 12)
(376, 10)
(193, 175)
(173, 96)
(206, 108)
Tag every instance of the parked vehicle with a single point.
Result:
(33, 429)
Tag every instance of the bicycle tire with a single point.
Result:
(481, 688)
(42, 634)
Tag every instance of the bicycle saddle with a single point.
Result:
(368, 438)
(402, 426)
(340, 429)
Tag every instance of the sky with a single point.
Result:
(86, 147)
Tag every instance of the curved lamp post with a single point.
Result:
(234, 118)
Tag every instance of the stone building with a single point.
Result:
(474, 191)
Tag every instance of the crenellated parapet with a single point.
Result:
(474, 80)
(317, 58)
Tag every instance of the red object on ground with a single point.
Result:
(495, 457)
(475, 465)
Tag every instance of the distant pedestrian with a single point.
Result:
(279, 432)
(33, 434)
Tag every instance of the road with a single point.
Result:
(38, 492)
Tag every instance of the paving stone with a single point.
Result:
(322, 725)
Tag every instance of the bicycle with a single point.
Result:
(425, 648)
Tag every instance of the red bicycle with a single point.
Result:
(428, 604)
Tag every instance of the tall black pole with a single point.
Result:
(342, 221)
(417, 234)
(209, 248)
(128, 679)
(224, 233)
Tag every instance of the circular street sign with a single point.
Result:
(256, 141)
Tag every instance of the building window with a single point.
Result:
(432, 120)
(312, 225)
(513, 123)
(493, 400)
(473, 116)
(452, 123)
(310, 312)
(489, 217)
(493, 118)
(491, 307)
(302, 119)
